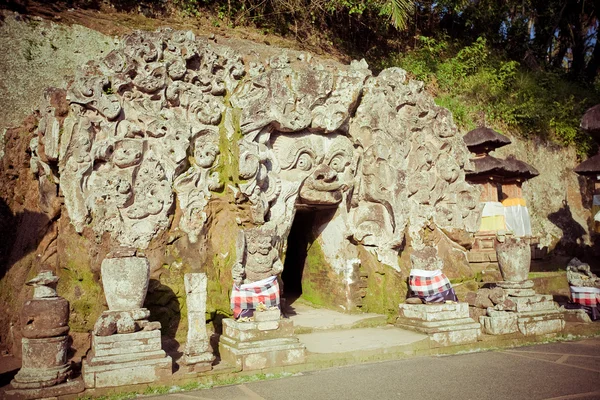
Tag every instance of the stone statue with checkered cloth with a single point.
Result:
(255, 272)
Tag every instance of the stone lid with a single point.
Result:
(591, 166)
(484, 140)
(508, 168)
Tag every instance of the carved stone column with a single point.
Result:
(198, 356)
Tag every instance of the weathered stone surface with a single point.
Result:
(257, 256)
(111, 322)
(62, 389)
(197, 348)
(262, 354)
(446, 324)
(302, 134)
(126, 373)
(45, 342)
(499, 323)
(125, 282)
(514, 258)
(126, 359)
(540, 322)
(579, 274)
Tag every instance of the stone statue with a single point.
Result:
(257, 256)
(580, 275)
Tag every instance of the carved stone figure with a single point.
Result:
(579, 274)
(257, 256)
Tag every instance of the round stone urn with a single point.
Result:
(514, 258)
(125, 282)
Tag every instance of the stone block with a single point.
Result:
(262, 354)
(252, 331)
(446, 324)
(540, 323)
(126, 343)
(528, 284)
(540, 302)
(434, 312)
(499, 325)
(67, 388)
(520, 292)
(576, 316)
(268, 315)
(126, 373)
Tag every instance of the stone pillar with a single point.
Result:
(198, 356)
(123, 338)
(44, 325)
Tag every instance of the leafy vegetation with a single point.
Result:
(530, 66)
(481, 87)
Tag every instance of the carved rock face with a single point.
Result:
(168, 116)
(322, 163)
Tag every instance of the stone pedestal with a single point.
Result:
(45, 368)
(51, 392)
(446, 324)
(260, 344)
(533, 314)
(126, 359)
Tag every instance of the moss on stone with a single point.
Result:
(386, 288)
(321, 286)
(79, 285)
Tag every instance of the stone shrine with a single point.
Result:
(504, 208)
(123, 338)
(45, 371)
(522, 310)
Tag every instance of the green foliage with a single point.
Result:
(481, 88)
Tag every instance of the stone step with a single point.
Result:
(359, 339)
(308, 319)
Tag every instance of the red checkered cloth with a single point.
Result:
(248, 296)
(427, 283)
(586, 296)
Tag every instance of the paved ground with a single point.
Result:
(314, 319)
(359, 339)
(568, 370)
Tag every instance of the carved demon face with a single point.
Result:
(322, 164)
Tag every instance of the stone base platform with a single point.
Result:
(540, 322)
(259, 345)
(531, 314)
(70, 387)
(445, 324)
(126, 359)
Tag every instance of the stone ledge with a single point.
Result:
(68, 388)
(124, 358)
(261, 357)
(141, 335)
(126, 373)
(248, 331)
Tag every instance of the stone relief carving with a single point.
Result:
(153, 125)
(142, 125)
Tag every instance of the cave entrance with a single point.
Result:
(299, 238)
